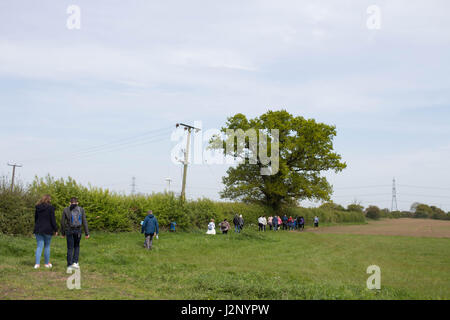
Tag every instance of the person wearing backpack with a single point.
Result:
(150, 226)
(73, 218)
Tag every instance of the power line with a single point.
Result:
(77, 156)
(118, 148)
(362, 187)
(422, 187)
(113, 144)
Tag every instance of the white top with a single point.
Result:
(211, 228)
(264, 221)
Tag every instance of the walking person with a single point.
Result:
(224, 226)
(260, 223)
(302, 223)
(269, 222)
(285, 222)
(275, 223)
(211, 227)
(241, 223)
(149, 228)
(264, 222)
(236, 223)
(316, 222)
(73, 217)
(291, 223)
(44, 228)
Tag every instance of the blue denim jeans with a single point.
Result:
(43, 242)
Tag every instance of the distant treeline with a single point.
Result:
(115, 212)
(418, 210)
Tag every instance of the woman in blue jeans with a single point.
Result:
(44, 228)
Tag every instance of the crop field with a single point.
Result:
(328, 263)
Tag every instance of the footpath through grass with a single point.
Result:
(251, 265)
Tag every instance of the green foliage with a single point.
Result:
(373, 212)
(113, 212)
(16, 213)
(425, 211)
(355, 207)
(305, 151)
(331, 205)
(325, 214)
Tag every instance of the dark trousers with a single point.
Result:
(148, 240)
(73, 246)
(224, 231)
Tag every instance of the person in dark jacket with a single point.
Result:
(285, 222)
(44, 228)
(236, 222)
(241, 223)
(149, 228)
(73, 218)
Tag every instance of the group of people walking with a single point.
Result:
(73, 219)
(225, 226)
(286, 223)
(274, 222)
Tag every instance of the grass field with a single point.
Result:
(252, 265)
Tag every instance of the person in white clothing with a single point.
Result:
(211, 227)
(264, 222)
(260, 223)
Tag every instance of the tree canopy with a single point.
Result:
(305, 151)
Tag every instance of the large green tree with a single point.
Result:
(305, 152)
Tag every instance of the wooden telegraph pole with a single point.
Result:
(186, 156)
(13, 173)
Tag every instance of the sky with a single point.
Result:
(100, 103)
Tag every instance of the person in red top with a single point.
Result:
(291, 223)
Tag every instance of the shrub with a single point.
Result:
(115, 212)
(373, 212)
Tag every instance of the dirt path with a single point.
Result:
(394, 227)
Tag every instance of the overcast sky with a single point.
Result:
(99, 103)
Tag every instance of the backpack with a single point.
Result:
(75, 219)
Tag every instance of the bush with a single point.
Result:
(373, 212)
(16, 209)
(115, 212)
